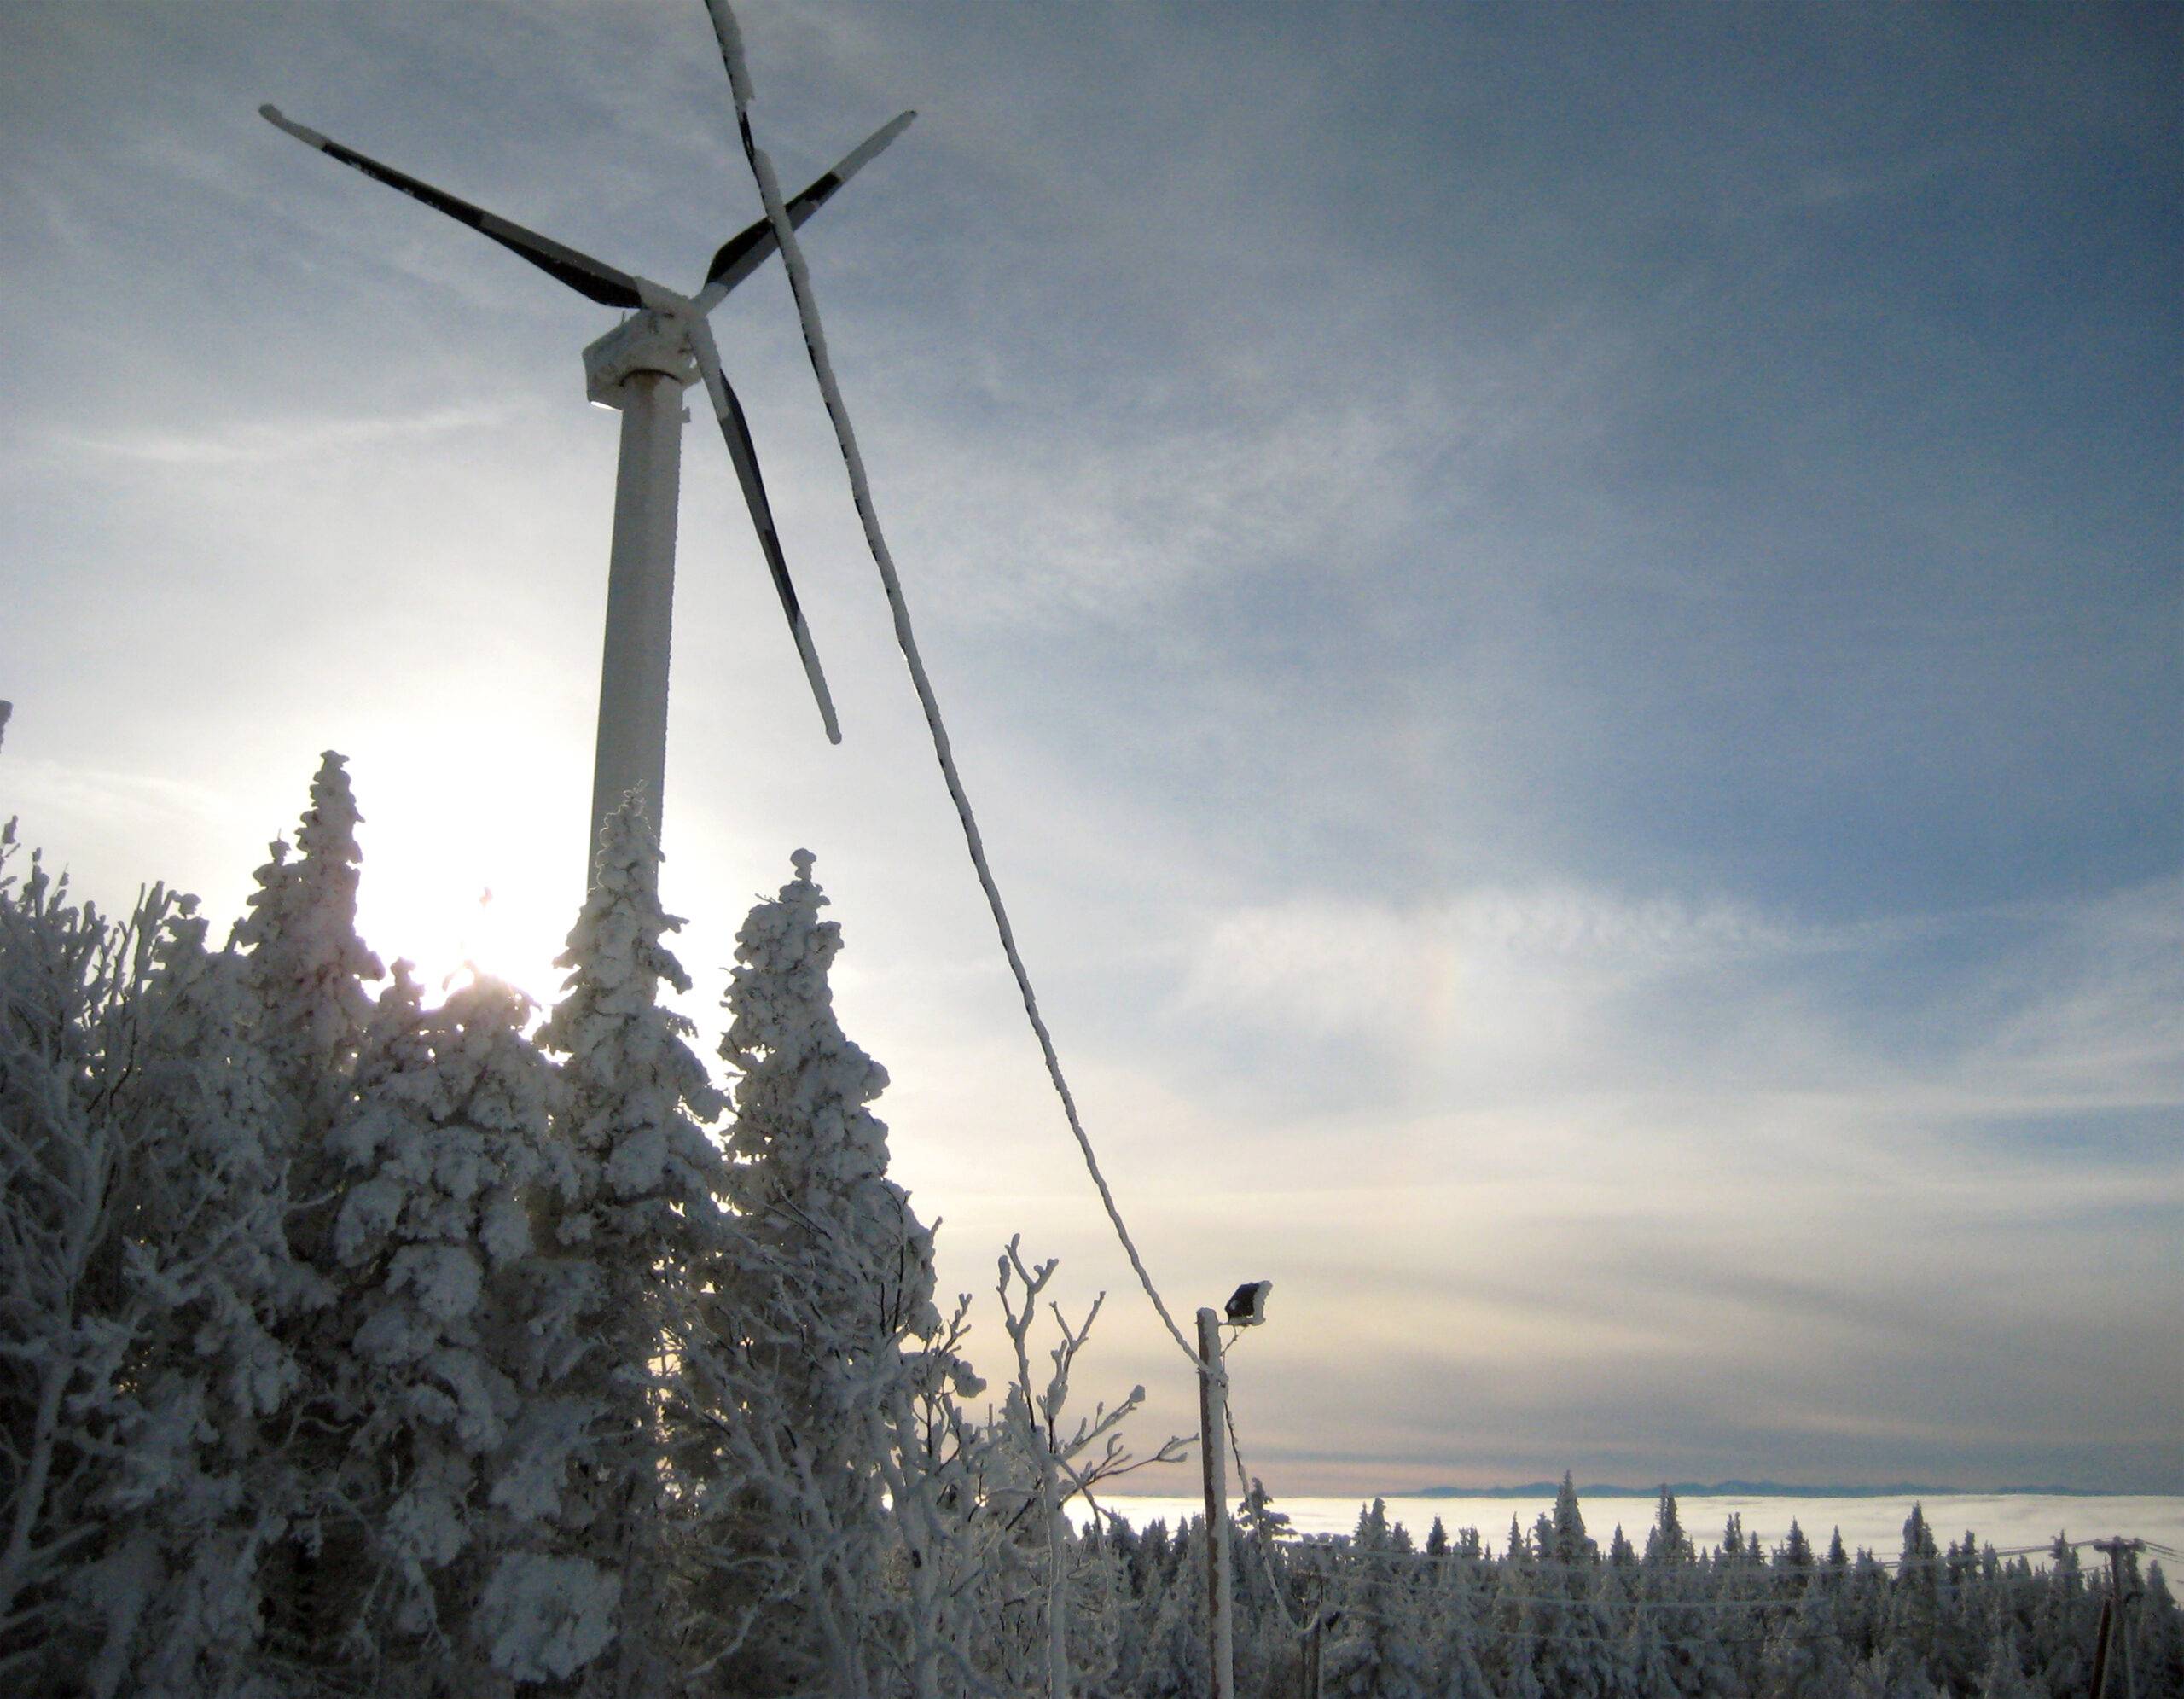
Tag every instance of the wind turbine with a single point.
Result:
(641, 367)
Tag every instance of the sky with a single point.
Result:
(1564, 623)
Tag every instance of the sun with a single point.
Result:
(469, 876)
(452, 922)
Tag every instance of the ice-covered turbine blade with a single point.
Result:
(745, 454)
(744, 253)
(592, 278)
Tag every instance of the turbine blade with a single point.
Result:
(592, 278)
(743, 253)
(745, 454)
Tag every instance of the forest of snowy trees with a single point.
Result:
(1547, 1613)
(352, 1342)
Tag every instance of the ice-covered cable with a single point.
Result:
(815, 342)
(1260, 1536)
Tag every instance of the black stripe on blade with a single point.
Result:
(760, 236)
(587, 276)
(594, 279)
(743, 452)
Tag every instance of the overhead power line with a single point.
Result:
(815, 343)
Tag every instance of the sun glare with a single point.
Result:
(488, 897)
(449, 922)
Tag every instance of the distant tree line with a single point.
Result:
(1552, 1616)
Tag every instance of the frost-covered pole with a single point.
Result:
(642, 371)
(1213, 1449)
(2113, 1648)
(1057, 1575)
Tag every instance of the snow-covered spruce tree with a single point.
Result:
(2063, 1623)
(1171, 1660)
(1737, 1631)
(142, 1274)
(835, 1279)
(1803, 1657)
(1379, 1650)
(64, 1326)
(616, 1302)
(305, 969)
(2157, 1648)
(2004, 1676)
(307, 965)
(1268, 1655)
(445, 1151)
(1914, 1611)
(1573, 1632)
(1680, 1633)
(211, 1482)
(1099, 1607)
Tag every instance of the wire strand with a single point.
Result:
(815, 342)
(1259, 1528)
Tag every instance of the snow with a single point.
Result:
(544, 1618)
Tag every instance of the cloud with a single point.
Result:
(111, 800)
(2017, 1010)
(1498, 969)
(289, 439)
(2097, 1018)
(1115, 514)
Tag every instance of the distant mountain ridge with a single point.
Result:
(1749, 1489)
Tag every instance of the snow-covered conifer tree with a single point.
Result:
(616, 1295)
(62, 1336)
(1572, 1633)
(1380, 1651)
(445, 1150)
(811, 1168)
(211, 1483)
(1914, 1603)
(307, 964)
(1804, 1656)
(1666, 1543)
(141, 1273)
(838, 1276)
(1457, 1672)
(2004, 1676)
(1171, 1660)
(2158, 1645)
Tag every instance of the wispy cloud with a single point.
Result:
(51, 791)
(259, 443)
(1491, 968)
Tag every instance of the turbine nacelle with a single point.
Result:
(654, 339)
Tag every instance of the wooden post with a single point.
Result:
(1057, 1579)
(1213, 1451)
(2113, 1648)
(2100, 1638)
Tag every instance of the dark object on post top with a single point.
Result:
(1247, 1308)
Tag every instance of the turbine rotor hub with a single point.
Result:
(653, 341)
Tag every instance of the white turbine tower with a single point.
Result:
(641, 367)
